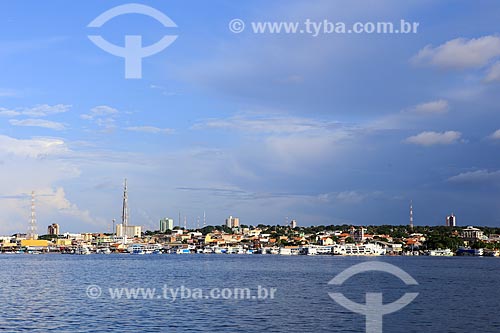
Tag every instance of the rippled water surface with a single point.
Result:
(41, 293)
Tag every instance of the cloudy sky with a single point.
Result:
(327, 129)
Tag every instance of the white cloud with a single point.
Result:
(478, 176)
(40, 164)
(267, 124)
(38, 123)
(344, 197)
(46, 110)
(460, 53)
(412, 117)
(29, 164)
(493, 73)
(495, 135)
(102, 116)
(9, 113)
(33, 148)
(38, 111)
(102, 110)
(349, 197)
(149, 129)
(286, 144)
(56, 200)
(434, 107)
(434, 138)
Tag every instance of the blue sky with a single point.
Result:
(326, 129)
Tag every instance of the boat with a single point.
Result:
(235, 250)
(463, 251)
(219, 250)
(183, 251)
(136, 249)
(82, 250)
(105, 250)
(274, 250)
(440, 253)
(285, 251)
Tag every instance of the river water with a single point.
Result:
(69, 293)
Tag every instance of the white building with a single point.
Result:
(232, 222)
(471, 234)
(451, 220)
(359, 249)
(166, 224)
(129, 231)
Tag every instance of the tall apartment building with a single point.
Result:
(232, 222)
(53, 229)
(451, 220)
(166, 224)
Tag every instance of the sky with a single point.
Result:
(331, 129)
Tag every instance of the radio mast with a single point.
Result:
(32, 229)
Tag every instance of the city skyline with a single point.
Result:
(330, 129)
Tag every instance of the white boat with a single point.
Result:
(83, 250)
(183, 251)
(441, 253)
(285, 251)
(219, 250)
(136, 249)
(274, 250)
(235, 250)
(105, 250)
(152, 248)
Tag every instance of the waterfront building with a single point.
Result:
(358, 249)
(64, 242)
(34, 244)
(471, 234)
(232, 222)
(53, 229)
(451, 220)
(166, 224)
(358, 234)
(129, 230)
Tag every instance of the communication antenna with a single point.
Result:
(411, 214)
(32, 229)
(125, 207)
